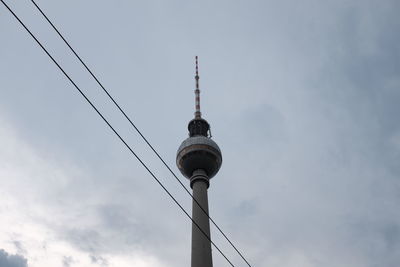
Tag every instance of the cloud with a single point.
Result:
(99, 260)
(20, 247)
(93, 228)
(67, 261)
(9, 260)
(302, 98)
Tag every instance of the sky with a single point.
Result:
(302, 97)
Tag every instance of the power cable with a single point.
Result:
(112, 128)
(137, 130)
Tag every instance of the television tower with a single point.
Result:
(199, 159)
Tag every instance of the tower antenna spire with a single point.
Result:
(197, 113)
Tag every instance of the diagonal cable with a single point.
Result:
(112, 128)
(137, 130)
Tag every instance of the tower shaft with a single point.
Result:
(201, 245)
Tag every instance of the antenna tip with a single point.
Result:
(197, 69)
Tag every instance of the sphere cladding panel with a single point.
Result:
(198, 152)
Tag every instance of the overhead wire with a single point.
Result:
(136, 128)
(115, 131)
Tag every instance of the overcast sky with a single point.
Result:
(302, 97)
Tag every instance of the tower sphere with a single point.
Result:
(198, 152)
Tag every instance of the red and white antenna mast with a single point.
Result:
(197, 114)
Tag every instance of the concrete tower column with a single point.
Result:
(201, 246)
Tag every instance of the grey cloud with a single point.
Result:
(20, 247)
(98, 260)
(67, 261)
(303, 99)
(9, 260)
(116, 228)
(85, 239)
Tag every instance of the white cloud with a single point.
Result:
(35, 219)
